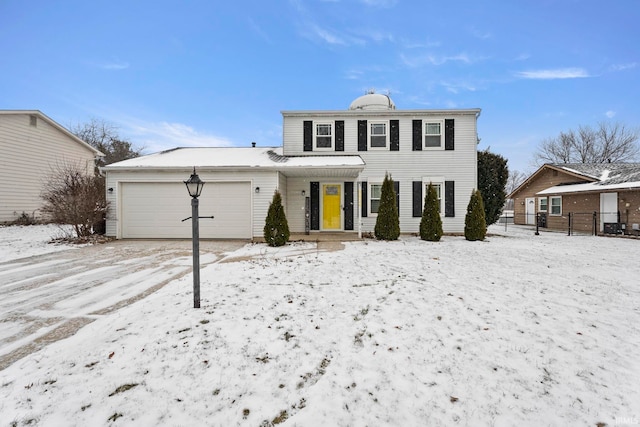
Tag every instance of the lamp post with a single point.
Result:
(194, 187)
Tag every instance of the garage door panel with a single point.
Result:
(156, 210)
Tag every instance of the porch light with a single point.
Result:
(257, 189)
(194, 184)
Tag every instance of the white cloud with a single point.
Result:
(560, 73)
(610, 114)
(420, 60)
(111, 65)
(380, 3)
(164, 135)
(622, 67)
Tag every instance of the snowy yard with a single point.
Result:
(518, 330)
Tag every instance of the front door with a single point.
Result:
(331, 207)
(608, 208)
(530, 210)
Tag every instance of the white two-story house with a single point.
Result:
(329, 171)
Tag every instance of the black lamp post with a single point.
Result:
(194, 186)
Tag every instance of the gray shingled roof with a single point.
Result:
(606, 173)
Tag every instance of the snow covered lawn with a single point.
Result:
(517, 330)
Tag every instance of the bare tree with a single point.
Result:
(514, 180)
(609, 142)
(104, 137)
(71, 196)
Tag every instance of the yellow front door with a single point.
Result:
(331, 210)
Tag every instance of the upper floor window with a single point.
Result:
(378, 135)
(324, 135)
(433, 134)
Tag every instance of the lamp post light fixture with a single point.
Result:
(194, 187)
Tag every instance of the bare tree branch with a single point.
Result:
(608, 143)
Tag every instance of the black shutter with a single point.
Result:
(396, 188)
(417, 199)
(362, 135)
(365, 200)
(307, 135)
(394, 144)
(339, 135)
(417, 135)
(448, 134)
(449, 199)
(315, 206)
(348, 205)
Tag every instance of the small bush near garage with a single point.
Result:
(73, 197)
(276, 227)
(387, 223)
(431, 223)
(475, 226)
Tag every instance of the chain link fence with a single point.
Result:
(594, 222)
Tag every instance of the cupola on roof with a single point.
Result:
(373, 101)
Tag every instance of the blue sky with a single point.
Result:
(210, 73)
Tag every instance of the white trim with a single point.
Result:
(551, 199)
(370, 123)
(424, 134)
(315, 135)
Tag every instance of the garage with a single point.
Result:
(155, 210)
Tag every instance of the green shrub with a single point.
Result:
(475, 226)
(431, 223)
(276, 228)
(387, 223)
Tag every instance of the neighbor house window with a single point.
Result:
(542, 204)
(433, 134)
(375, 191)
(378, 135)
(324, 135)
(438, 184)
(556, 205)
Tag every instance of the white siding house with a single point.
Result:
(32, 148)
(329, 171)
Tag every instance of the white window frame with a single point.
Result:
(370, 134)
(546, 204)
(436, 181)
(371, 184)
(425, 135)
(315, 135)
(551, 205)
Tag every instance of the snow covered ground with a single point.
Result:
(518, 330)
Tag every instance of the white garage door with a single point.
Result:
(154, 210)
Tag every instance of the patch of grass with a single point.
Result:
(282, 417)
(204, 322)
(245, 413)
(216, 392)
(49, 382)
(115, 416)
(85, 407)
(123, 388)
(184, 330)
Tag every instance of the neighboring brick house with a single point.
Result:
(600, 197)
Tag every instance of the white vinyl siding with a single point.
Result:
(30, 155)
(405, 165)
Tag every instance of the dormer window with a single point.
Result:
(378, 135)
(324, 135)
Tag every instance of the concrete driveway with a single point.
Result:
(49, 297)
